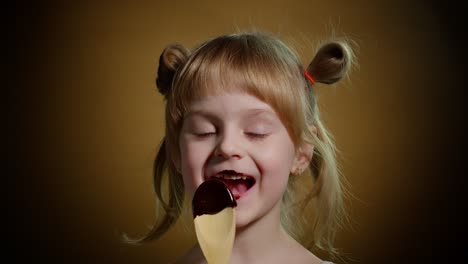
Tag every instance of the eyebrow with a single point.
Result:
(261, 112)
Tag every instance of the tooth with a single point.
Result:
(230, 177)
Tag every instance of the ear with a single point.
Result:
(303, 156)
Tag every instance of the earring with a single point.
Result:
(296, 171)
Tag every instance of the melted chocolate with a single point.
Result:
(211, 197)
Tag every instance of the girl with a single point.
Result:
(243, 105)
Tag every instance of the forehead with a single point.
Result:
(230, 104)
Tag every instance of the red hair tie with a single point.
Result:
(307, 75)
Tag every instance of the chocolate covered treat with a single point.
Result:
(213, 207)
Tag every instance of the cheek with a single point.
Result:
(276, 170)
(187, 166)
(275, 162)
(192, 161)
(279, 157)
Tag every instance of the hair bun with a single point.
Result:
(171, 59)
(331, 62)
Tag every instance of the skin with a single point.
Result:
(241, 133)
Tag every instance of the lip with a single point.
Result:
(229, 171)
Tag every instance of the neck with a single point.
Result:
(259, 238)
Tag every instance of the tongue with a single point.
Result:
(237, 187)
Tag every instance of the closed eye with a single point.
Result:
(256, 136)
(205, 134)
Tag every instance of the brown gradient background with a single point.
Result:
(84, 121)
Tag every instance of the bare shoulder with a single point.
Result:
(193, 256)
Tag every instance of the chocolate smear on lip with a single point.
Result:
(211, 197)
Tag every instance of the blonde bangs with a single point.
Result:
(244, 64)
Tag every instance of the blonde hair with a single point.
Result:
(260, 65)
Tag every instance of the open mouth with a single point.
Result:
(237, 183)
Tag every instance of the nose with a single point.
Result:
(228, 146)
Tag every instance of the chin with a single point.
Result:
(243, 220)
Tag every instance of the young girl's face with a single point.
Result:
(240, 139)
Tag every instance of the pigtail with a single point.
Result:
(169, 197)
(172, 58)
(331, 62)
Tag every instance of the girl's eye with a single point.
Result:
(205, 134)
(256, 136)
